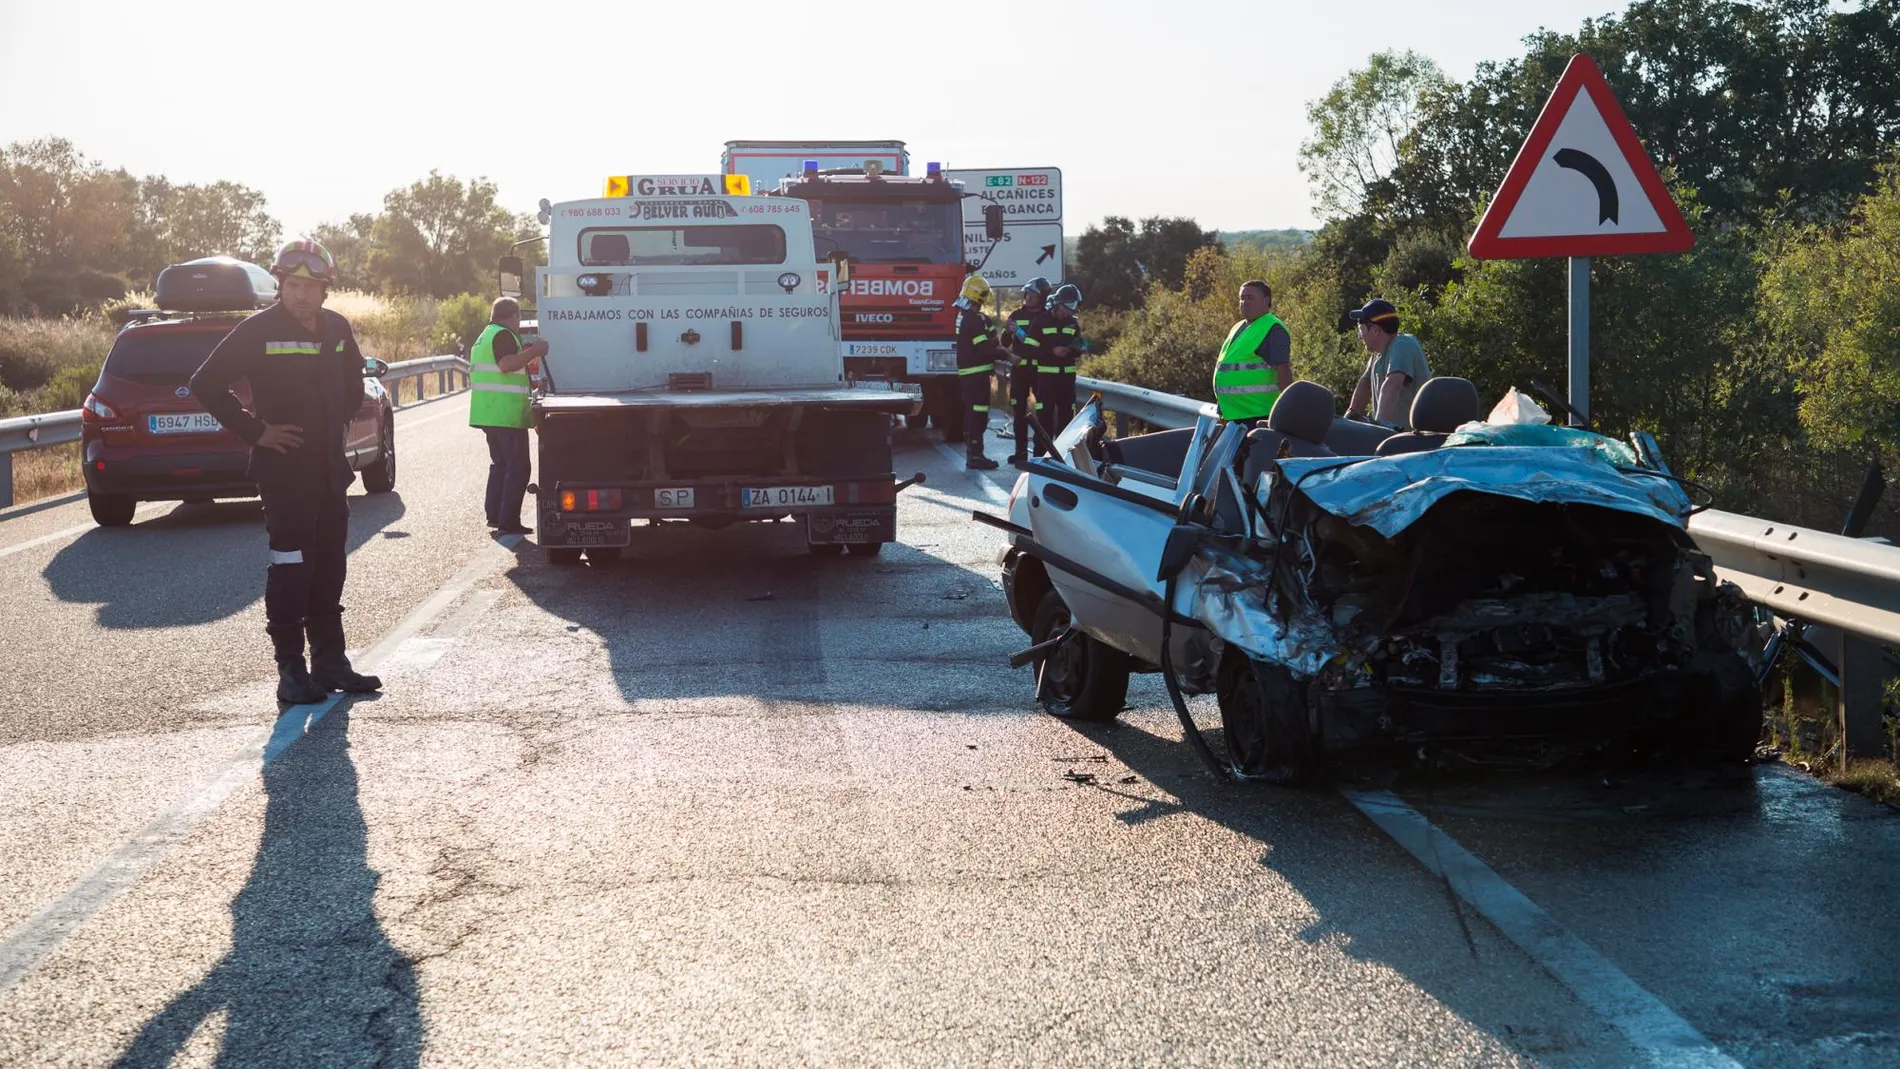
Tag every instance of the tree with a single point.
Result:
(66, 210)
(1115, 263)
(438, 238)
(184, 222)
(1164, 245)
(348, 244)
(1829, 299)
(71, 222)
(1360, 125)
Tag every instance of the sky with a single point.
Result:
(1171, 107)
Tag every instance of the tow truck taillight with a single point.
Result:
(590, 500)
(96, 411)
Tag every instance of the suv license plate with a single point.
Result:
(182, 423)
(784, 496)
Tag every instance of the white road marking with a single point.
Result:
(997, 495)
(28, 945)
(74, 531)
(81, 528)
(1663, 1038)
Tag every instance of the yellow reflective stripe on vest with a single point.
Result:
(979, 339)
(299, 348)
(980, 369)
(497, 387)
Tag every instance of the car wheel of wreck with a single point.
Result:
(1081, 679)
(1729, 724)
(1263, 714)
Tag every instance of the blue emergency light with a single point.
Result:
(811, 166)
(933, 169)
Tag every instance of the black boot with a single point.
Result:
(329, 666)
(974, 460)
(294, 686)
(293, 680)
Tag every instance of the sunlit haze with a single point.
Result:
(1183, 108)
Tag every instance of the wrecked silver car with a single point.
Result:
(1339, 587)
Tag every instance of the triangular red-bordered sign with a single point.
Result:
(1566, 200)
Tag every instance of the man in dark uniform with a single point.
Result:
(1022, 369)
(977, 351)
(306, 378)
(1060, 344)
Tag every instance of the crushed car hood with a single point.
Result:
(1389, 494)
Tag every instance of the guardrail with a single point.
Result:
(1851, 585)
(57, 428)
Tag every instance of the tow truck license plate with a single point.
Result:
(784, 496)
(183, 423)
(673, 499)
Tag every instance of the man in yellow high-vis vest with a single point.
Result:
(498, 374)
(1256, 360)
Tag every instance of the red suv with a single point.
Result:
(146, 439)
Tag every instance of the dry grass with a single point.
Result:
(39, 473)
(34, 351)
(1872, 777)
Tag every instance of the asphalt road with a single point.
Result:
(726, 803)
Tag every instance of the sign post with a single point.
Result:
(1581, 186)
(1580, 339)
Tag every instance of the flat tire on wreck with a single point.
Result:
(1263, 713)
(1082, 679)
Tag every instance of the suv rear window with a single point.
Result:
(160, 357)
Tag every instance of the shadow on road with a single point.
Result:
(1376, 903)
(690, 612)
(311, 978)
(193, 565)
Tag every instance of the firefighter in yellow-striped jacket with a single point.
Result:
(977, 350)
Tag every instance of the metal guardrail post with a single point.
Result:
(6, 480)
(1860, 701)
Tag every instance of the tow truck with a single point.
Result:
(904, 238)
(693, 373)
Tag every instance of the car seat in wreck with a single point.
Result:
(1442, 406)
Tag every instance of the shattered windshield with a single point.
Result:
(889, 230)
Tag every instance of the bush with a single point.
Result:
(459, 321)
(1173, 340)
(66, 390)
(118, 312)
(11, 404)
(66, 292)
(402, 328)
(32, 351)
